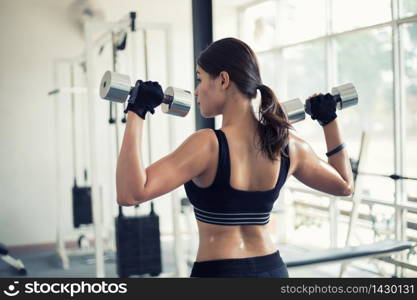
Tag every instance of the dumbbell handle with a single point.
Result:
(344, 95)
(167, 98)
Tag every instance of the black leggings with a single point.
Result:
(270, 265)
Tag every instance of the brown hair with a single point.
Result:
(239, 61)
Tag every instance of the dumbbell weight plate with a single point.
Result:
(115, 87)
(348, 95)
(294, 110)
(177, 102)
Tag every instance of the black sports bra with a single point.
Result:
(222, 204)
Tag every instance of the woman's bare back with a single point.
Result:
(250, 171)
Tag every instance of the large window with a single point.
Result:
(309, 46)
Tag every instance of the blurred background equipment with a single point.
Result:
(80, 11)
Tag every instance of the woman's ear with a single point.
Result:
(224, 79)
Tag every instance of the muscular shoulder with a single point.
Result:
(296, 142)
(203, 140)
(202, 146)
(297, 148)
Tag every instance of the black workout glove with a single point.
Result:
(321, 108)
(144, 97)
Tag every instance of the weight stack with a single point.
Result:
(81, 206)
(138, 245)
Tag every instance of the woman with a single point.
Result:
(232, 176)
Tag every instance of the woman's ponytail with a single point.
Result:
(273, 124)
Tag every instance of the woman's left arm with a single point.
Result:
(135, 184)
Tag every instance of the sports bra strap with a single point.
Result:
(223, 167)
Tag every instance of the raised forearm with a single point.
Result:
(340, 160)
(130, 172)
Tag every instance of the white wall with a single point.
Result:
(34, 33)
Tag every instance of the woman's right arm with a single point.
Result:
(332, 177)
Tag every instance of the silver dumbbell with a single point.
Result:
(116, 87)
(344, 95)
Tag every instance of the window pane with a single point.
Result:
(304, 70)
(272, 23)
(409, 81)
(358, 13)
(408, 8)
(258, 25)
(267, 67)
(300, 20)
(365, 60)
(304, 67)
